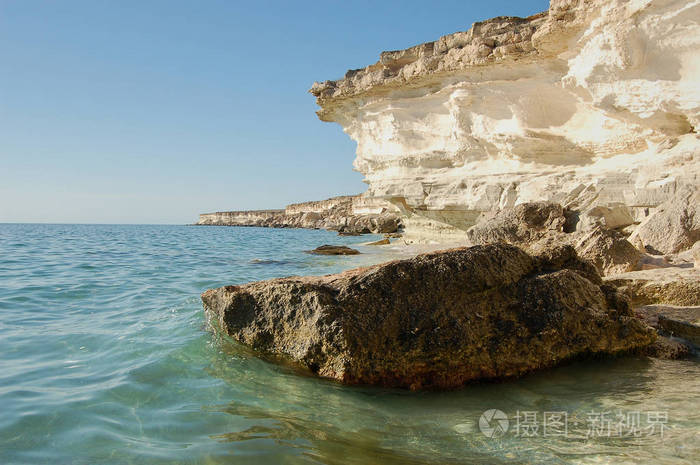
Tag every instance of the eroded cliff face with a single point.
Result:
(594, 103)
(237, 218)
(347, 213)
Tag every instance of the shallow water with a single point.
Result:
(104, 359)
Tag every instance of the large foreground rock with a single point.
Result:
(437, 320)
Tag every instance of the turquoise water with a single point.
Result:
(104, 358)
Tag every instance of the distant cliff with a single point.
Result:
(350, 213)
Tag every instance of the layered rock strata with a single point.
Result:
(593, 104)
(435, 321)
(353, 214)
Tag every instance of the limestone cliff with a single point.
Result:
(592, 104)
(348, 213)
(237, 218)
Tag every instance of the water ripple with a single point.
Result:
(104, 360)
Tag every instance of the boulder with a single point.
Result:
(357, 225)
(383, 223)
(539, 225)
(674, 225)
(435, 321)
(386, 223)
(605, 217)
(333, 250)
(609, 251)
(522, 224)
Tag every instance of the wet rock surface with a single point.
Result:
(333, 250)
(673, 323)
(435, 321)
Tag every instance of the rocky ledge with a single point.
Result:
(435, 321)
(348, 214)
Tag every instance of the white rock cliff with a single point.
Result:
(594, 104)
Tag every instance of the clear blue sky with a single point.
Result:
(145, 111)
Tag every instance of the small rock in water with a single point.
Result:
(333, 250)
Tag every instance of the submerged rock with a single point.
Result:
(333, 250)
(435, 321)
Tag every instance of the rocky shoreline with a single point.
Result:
(445, 318)
(560, 151)
(436, 321)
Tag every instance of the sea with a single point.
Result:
(106, 358)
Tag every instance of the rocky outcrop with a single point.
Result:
(593, 104)
(671, 286)
(435, 321)
(523, 224)
(337, 213)
(538, 225)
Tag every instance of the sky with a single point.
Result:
(150, 111)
